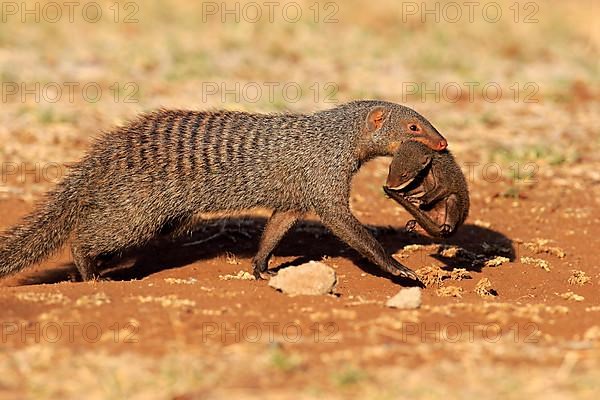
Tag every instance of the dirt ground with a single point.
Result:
(511, 308)
(174, 301)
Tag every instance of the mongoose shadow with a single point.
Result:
(308, 240)
(471, 238)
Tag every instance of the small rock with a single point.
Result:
(406, 298)
(312, 278)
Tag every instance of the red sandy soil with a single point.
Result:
(201, 311)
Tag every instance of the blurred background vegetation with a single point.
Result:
(543, 55)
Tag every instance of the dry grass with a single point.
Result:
(165, 301)
(49, 372)
(239, 276)
(179, 281)
(434, 276)
(458, 274)
(538, 262)
(571, 296)
(44, 298)
(484, 288)
(496, 261)
(375, 56)
(96, 299)
(449, 291)
(578, 278)
(541, 246)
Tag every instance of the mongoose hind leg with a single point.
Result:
(96, 236)
(179, 227)
(345, 226)
(451, 215)
(86, 264)
(277, 226)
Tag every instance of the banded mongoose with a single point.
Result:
(165, 166)
(431, 186)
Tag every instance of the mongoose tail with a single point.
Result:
(41, 232)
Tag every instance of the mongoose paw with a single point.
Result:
(445, 230)
(415, 200)
(405, 273)
(411, 226)
(93, 277)
(263, 274)
(386, 192)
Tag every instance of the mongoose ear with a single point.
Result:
(375, 118)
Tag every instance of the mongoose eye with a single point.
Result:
(413, 127)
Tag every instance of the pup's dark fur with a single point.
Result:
(431, 186)
(159, 170)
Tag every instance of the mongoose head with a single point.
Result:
(410, 160)
(392, 124)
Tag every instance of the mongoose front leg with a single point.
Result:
(277, 226)
(431, 226)
(433, 195)
(345, 226)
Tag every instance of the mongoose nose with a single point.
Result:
(442, 144)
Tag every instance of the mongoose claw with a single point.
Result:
(445, 230)
(415, 200)
(410, 226)
(386, 192)
(405, 273)
(257, 274)
(263, 275)
(412, 275)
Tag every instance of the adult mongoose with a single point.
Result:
(159, 170)
(431, 186)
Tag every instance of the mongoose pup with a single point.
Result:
(159, 170)
(431, 186)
